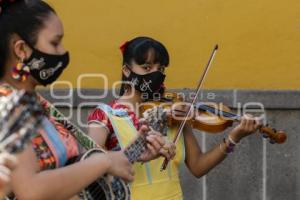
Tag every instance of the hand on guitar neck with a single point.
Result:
(150, 145)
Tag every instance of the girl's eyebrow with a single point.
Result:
(59, 36)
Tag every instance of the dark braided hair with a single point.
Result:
(24, 18)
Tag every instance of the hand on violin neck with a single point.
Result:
(247, 126)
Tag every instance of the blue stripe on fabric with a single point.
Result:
(116, 112)
(56, 141)
(149, 177)
(109, 111)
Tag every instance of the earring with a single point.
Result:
(21, 71)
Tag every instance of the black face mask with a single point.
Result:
(46, 68)
(149, 85)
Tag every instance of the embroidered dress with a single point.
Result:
(99, 117)
(52, 135)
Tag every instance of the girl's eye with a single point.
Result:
(55, 44)
(147, 68)
(161, 69)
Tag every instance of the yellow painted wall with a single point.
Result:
(259, 39)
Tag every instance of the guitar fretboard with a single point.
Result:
(157, 120)
(134, 151)
(20, 116)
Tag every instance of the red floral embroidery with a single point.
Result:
(99, 115)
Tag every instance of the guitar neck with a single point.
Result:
(20, 117)
(157, 121)
(134, 151)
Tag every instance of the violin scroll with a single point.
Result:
(273, 135)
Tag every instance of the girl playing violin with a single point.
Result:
(32, 54)
(144, 63)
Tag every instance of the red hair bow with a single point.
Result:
(123, 47)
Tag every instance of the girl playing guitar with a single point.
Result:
(32, 54)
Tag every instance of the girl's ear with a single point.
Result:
(21, 50)
(126, 70)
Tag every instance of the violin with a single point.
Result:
(208, 117)
(212, 118)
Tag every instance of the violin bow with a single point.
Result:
(199, 87)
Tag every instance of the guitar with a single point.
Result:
(114, 188)
(20, 116)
